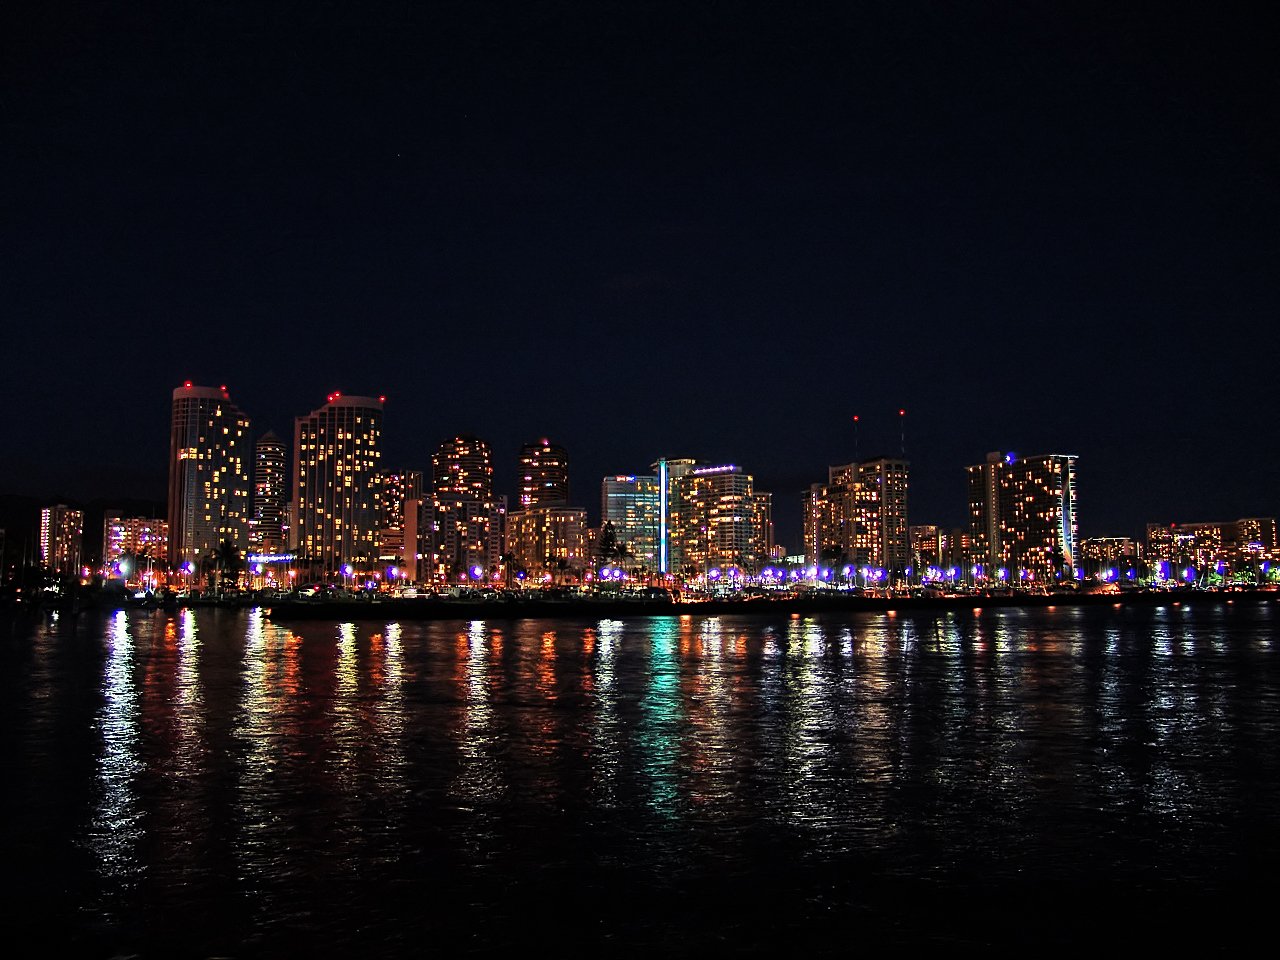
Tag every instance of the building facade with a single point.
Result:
(397, 503)
(61, 539)
(544, 474)
(549, 542)
(633, 505)
(716, 520)
(463, 465)
(267, 532)
(1022, 515)
(138, 537)
(465, 520)
(337, 452)
(210, 464)
(859, 518)
(1238, 544)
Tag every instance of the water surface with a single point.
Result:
(210, 783)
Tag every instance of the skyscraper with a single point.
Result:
(397, 502)
(270, 494)
(337, 453)
(544, 474)
(209, 482)
(633, 504)
(1022, 515)
(716, 519)
(61, 539)
(887, 476)
(859, 517)
(467, 518)
(140, 536)
(463, 465)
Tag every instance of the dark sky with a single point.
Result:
(715, 230)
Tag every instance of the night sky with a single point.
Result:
(713, 230)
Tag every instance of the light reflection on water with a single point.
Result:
(116, 829)
(310, 780)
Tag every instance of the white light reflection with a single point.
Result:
(268, 689)
(807, 741)
(117, 828)
(189, 711)
(711, 740)
(479, 778)
(348, 737)
(606, 747)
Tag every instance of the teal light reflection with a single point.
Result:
(658, 737)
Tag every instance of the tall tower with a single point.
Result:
(544, 475)
(463, 465)
(337, 452)
(717, 519)
(633, 505)
(61, 539)
(859, 517)
(887, 477)
(209, 464)
(467, 517)
(1022, 514)
(270, 482)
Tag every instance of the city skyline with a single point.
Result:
(794, 536)
(658, 231)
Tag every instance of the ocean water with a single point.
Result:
(210, 783)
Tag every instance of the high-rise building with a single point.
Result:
(1022, 515)
(397, 502)
(61, 539)
(549, 540)
(716, 519)
(209, 475)
(928, 545)
(138, 536)
(859, 517)
(463, 465)
(270, 494)
(337, 453)
(466, 518)
(887, 477)
(668, 471)
(544, 474)
(633, 505)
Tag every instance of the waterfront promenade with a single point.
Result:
(523, 606)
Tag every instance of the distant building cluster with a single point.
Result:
(328, 508)
(1212, 545)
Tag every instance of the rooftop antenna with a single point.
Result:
(902, 431)
(855, 438)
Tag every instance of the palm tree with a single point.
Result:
(226, 560)
(508, 562)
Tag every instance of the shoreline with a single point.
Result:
(416, 608)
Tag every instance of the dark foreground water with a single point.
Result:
(209, 783)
